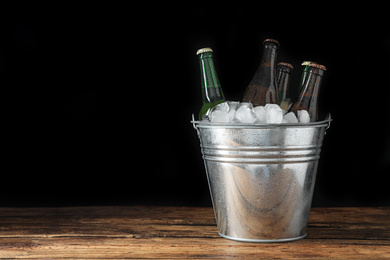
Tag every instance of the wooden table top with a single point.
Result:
(142, 232)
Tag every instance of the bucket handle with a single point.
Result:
(329, 119)
(194, 126)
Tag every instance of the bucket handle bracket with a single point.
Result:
(329, 119)
(194, 126)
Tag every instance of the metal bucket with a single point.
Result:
(261, 177)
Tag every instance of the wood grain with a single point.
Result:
(181, 233)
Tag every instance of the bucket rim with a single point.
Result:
(323, 123)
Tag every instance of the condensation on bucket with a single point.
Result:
(261, 177)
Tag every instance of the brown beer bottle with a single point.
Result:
(263, 88)
(308, 97)
(283, 80)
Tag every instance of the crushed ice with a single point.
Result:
(244, 112)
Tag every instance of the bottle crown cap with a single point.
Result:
(318, 66)
(305, 63)
(271, 40)
(286, 64)
(203, 50)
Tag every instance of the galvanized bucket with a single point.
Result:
(261, 177)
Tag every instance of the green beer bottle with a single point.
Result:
(212, 94)
(305, 68)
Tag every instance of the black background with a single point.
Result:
(97, 100)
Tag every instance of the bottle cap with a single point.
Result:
(305, 63)
(318, 66)
(286, 64)
(271, 40)
(203, 50)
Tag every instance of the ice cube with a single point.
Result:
(274, 114)
(219, 116)
(244, 113)
(219, 113)
(290, 118)
(303, 117)
(233, 104)
(232, 109)
(222, 106)
(260, 114)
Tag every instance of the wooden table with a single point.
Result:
(181, 232)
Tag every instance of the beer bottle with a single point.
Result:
(212, 93)
(308, 96)
(305, 68)
(263, 88)
(283, 80)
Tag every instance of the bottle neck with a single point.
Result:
(268, 60)
(312, 81)
(265, 74)
(283, 80)
(305, 71)
(211, 88)
(263, 89)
